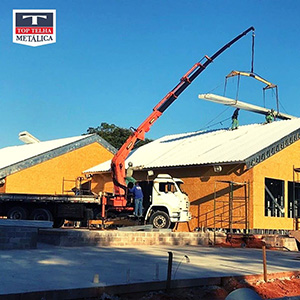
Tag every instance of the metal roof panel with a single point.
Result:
(209, 147)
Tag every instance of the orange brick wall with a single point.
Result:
(47, 177)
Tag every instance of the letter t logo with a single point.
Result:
(34, 19)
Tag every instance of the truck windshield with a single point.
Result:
(179, 184)
(167, 187)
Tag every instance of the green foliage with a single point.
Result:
(115, 135)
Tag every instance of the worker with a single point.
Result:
(234, 118)
(270, 116)
(129, 174)
(138, 199)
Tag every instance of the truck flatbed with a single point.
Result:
(49, 198)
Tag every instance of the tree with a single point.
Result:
(115, 135)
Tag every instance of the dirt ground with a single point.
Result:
(277, 288)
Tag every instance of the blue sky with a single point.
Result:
(115, 60)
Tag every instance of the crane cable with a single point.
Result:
(252, 69)
(207, 126)
(237, 89)
(252, 54)
(252, 74)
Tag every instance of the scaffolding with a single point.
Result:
(78, 186)
(231, 211)
(295, 205)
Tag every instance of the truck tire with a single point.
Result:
(17, 213)
(41, 214)
(97, 214)
(58, 222)
(160, 220)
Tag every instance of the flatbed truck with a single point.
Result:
(56, 208)
(165, 204)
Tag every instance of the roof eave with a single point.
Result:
(145, 168)
(274, 148)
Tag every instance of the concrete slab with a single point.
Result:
(54, 268)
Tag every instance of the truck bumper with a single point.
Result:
(182, 216)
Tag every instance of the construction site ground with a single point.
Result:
(280, 289)
(140, 272)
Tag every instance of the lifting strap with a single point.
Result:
(269, 85)
(252, 54)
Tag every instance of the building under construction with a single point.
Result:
(236, 179)
(50, 167)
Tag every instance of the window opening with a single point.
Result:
(294, 196)
(274, 197)
(294, 199)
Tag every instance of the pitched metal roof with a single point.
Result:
(249, 144)
(16, 158)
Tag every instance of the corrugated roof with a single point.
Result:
(16, 158)
(249, 144)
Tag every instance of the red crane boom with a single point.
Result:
(118, 161)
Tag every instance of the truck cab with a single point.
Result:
(165, 203)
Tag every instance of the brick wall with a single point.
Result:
(18, 237)
(116, 238)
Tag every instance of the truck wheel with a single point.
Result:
(58, 222)
(17, 213)
(41, 214)
(160, 220)
(97, 214)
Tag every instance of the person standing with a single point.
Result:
(234, 118)
(270, 116)
(138, 200)
(129, 174)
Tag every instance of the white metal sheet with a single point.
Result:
(211, 147)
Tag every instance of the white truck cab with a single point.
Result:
(165, 203)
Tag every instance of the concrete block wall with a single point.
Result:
(18, 237)
(281, 242)
(69, 238)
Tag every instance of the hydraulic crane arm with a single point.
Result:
(118, 161)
